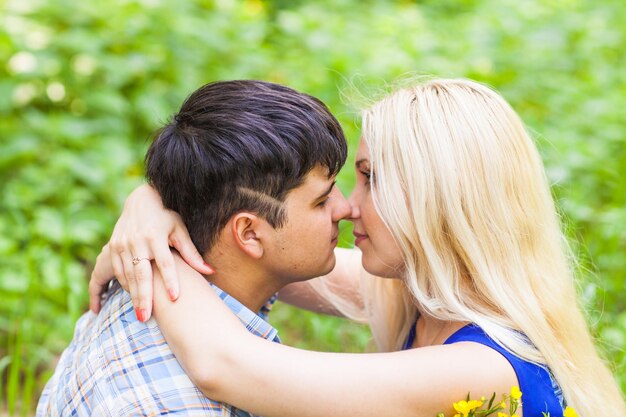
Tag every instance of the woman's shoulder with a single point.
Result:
(540, 390)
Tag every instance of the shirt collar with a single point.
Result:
(255, 323)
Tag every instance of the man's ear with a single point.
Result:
(246, 231)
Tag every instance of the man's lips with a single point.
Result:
(359, 237)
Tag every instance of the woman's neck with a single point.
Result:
(431, 331)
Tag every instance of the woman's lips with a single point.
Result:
(359, 238)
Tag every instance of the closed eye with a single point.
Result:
(323, 202)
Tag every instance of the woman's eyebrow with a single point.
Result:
(362, 161)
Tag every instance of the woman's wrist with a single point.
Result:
(144, 193)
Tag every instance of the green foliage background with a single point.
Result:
(84, 84)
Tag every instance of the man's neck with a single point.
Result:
(246, 284)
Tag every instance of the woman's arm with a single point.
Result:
(147, 230)
(338, 293)
(231, 365)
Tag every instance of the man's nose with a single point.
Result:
(343, 209)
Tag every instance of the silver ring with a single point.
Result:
(137, 259)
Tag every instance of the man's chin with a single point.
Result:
(330, 265)
(323, 270)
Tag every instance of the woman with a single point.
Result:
(451, 199)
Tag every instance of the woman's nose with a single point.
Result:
(354, 207)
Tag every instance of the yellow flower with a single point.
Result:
(514, 415)
(501, 414)
(473, 404)
(462, 407)
(516, 394)
(570, 412)
(503, 405)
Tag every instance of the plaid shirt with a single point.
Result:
(118, 366)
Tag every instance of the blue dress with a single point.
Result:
(540, 391)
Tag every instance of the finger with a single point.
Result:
(127, 262)
(142, 270)
(129, 271)
(181, 240)
(98, 284)
(118, 269)
(165, 262)
(100, 277)
(95, 291)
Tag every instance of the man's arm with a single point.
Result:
(338, 293)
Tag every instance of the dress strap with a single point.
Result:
(411, 336)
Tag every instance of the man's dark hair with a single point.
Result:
(240, 146)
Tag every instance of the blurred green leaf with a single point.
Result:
(84, 86)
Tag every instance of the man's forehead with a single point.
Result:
(321, 172)
(316, 183)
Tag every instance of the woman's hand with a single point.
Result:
(144, 232)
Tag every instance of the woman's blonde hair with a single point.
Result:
(461, 186)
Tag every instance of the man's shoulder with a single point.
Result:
(117, 365)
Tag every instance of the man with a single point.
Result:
(250, 167)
